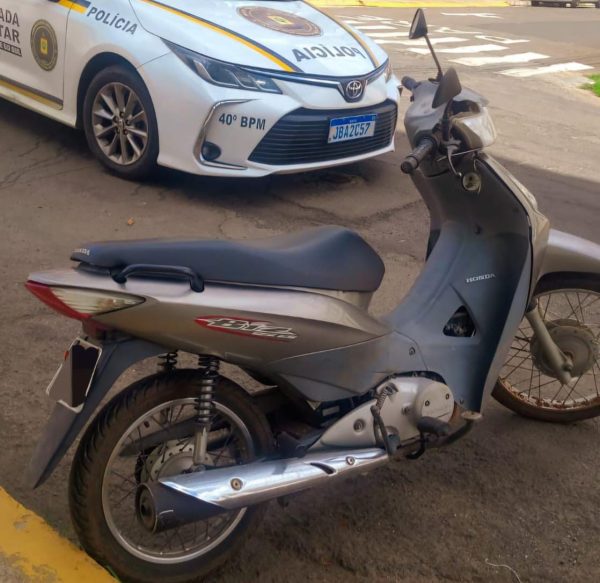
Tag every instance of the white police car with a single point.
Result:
(219, 87)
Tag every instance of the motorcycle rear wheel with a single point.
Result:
(570, 305)
(108, 468)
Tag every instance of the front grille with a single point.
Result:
(300, 137)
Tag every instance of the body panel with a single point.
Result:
(168, 316)
(482, 261)
(568, 253)
(32, 52)
(287, 36)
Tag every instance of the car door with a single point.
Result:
(32, 48)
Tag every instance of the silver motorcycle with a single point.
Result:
(174, 470)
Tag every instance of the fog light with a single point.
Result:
(210, 151)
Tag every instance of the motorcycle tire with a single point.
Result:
(90, 511)
(533, 408)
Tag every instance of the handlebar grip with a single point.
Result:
(409, 83)
(412, 161)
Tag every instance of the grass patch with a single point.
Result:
(594, 86)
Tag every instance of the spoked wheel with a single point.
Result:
(120, 123)
(570, 307)
(145, 434)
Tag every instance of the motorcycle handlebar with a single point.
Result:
(411, 162)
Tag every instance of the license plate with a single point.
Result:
(73, 378)
(343, 129)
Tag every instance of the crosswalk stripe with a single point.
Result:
(557, 68)
(501, 40)
(387, 34)
(390, 31)
(373, 27)
(420, 42)
(517, 58)
(467, 49)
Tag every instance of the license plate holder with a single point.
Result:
(73, 379)
(343, 129)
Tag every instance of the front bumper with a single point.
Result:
(259, 133)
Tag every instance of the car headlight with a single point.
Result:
(389, 71)
(222, 73)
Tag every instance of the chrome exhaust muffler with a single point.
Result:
(187, 498)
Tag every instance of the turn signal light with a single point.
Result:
(81, 304)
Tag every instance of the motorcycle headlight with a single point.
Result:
(224, 74)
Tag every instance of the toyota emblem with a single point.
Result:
(354, 90)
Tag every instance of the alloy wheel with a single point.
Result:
(120, 124)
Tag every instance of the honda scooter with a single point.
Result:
(174, 470)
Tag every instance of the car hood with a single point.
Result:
(277, 35)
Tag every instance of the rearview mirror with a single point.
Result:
(418, 28)
(448, 88)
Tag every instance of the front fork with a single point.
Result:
(561, 363)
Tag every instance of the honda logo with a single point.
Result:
(353, 90)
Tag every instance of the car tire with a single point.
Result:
(120, 123)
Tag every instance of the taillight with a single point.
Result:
(81, 304)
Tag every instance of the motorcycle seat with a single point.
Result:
(330, 258)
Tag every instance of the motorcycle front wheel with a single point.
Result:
(570, 307)
(138, 438)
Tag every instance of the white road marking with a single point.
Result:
(374, 27)
(396, 31)
(501, 40)
(420, 42)
(387, 34)
(467, 49)
(481, 61)
(558, 68)
(363, 17)
(477, 14)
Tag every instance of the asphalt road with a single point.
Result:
(515, 492)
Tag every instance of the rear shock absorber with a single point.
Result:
(167, 362)
(204, 406)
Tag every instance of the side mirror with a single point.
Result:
(448, 89)
(418, 28)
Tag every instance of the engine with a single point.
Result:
(402, 402)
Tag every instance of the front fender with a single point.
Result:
(65, 424)
(571, 254)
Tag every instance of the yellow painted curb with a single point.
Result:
(30, 545)
(394, 4)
